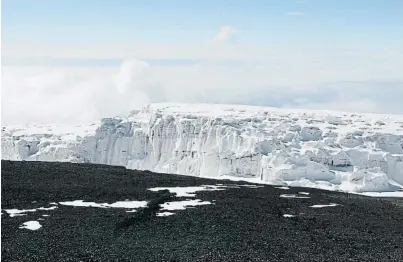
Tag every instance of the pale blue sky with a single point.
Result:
(322, 54)
(374, 22)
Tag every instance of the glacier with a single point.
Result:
(323, 149)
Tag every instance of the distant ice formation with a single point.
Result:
(322, 149)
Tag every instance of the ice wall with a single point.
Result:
(331, 150)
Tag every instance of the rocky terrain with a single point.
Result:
(87, 212)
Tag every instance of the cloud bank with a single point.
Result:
(53, 94)
(75, 95)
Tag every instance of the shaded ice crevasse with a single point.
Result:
(331, 150)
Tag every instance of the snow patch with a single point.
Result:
(282, 187)
(47, 208)
(383, 194)
(18, 212)
(321, 206)
(191, 191)
(164, 214)
(119, 204)
(31, 225)
(288, 215)
(182, 205)
(292, 196)
(188, 191)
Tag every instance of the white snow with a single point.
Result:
(303, 193)
(119, 204)
(81, 203)
(288, 215)
(182, 205)
(320, 206)
(164, 214)
(252, 186)
(188, 191)
(322, 149)
(17, 215)
(292, 196)
(31, 225)
(18, 212)
(282, 187)
(383, 194)
(47, 208)
(128, 204)
(191, 191)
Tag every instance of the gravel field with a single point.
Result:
(242, 223)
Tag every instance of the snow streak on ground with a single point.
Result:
(186, 191)
(180, 192)
(20, 212)
(383, 194)
(190, 191)
(182, 205)
(31, 225)
(320, 206)
(165, 214)
(292, 196)
(119, 204)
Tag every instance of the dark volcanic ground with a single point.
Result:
(243, 224)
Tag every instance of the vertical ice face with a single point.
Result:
(314, 148)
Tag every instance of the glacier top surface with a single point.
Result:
(391, 123)
(228, 109)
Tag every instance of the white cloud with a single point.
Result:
(365, 79)
(265, 52)
(226, 33)
(76, 94)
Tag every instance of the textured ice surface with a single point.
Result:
(31, 225)
(322, 149)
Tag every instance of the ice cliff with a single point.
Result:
(325, 149)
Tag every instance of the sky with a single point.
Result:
(71, 61)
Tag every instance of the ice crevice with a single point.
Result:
(322, 149)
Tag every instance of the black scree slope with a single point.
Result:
(242, 224)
